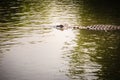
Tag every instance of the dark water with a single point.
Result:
(31, 49)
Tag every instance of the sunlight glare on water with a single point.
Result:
(36, 59)
(61, 13)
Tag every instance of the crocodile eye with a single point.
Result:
(88, 28)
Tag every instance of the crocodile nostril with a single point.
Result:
(60, 26)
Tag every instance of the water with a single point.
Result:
(32, 49)
(34, 55)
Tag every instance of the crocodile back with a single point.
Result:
(103, 27)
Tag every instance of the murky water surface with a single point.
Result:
(32, 49)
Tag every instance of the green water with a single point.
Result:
(31, 49)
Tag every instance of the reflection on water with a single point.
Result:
(95, 56)
(34, 55)
(31, 49)
(28, 49)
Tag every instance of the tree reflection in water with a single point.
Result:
(95, 56)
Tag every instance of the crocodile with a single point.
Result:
(92, 27)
